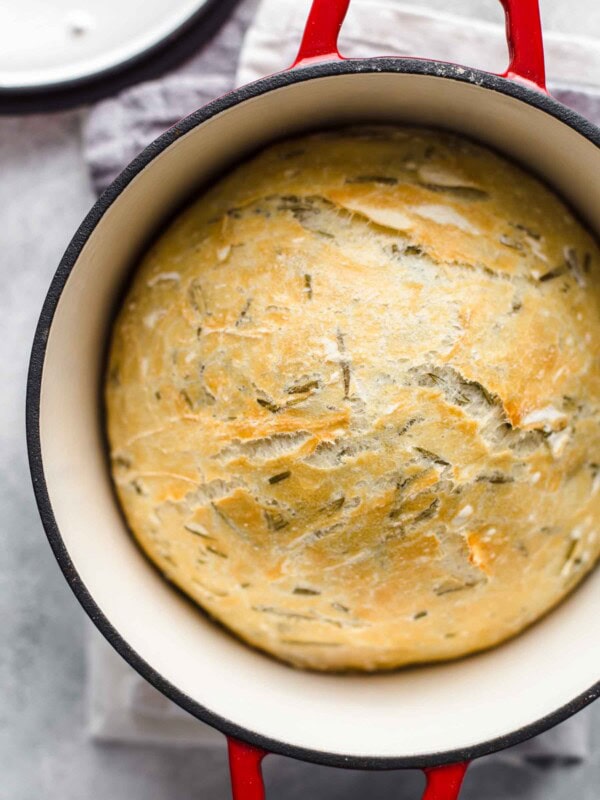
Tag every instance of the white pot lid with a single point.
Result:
(68, 52)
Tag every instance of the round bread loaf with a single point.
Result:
(353, 399)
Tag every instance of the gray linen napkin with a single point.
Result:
(118, 128)
(123, 706)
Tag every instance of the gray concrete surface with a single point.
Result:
(44, 751)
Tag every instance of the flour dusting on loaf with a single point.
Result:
(353, 399)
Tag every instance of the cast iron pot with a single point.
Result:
(435, 717)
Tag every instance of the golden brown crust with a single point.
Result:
(353, 400)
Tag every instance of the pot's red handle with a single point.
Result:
(523, 33)
(245, 768)
(443, 783)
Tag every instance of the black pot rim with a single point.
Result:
(411, 66)
(181, 43)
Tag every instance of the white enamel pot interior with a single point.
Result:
(422, 716)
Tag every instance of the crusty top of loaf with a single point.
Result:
(354, 399)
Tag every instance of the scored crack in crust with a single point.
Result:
(353, 399)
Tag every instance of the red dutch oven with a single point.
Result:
(435, 717)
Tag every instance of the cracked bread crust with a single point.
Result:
(353, 400)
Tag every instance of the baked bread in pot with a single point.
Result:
(353, 399)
